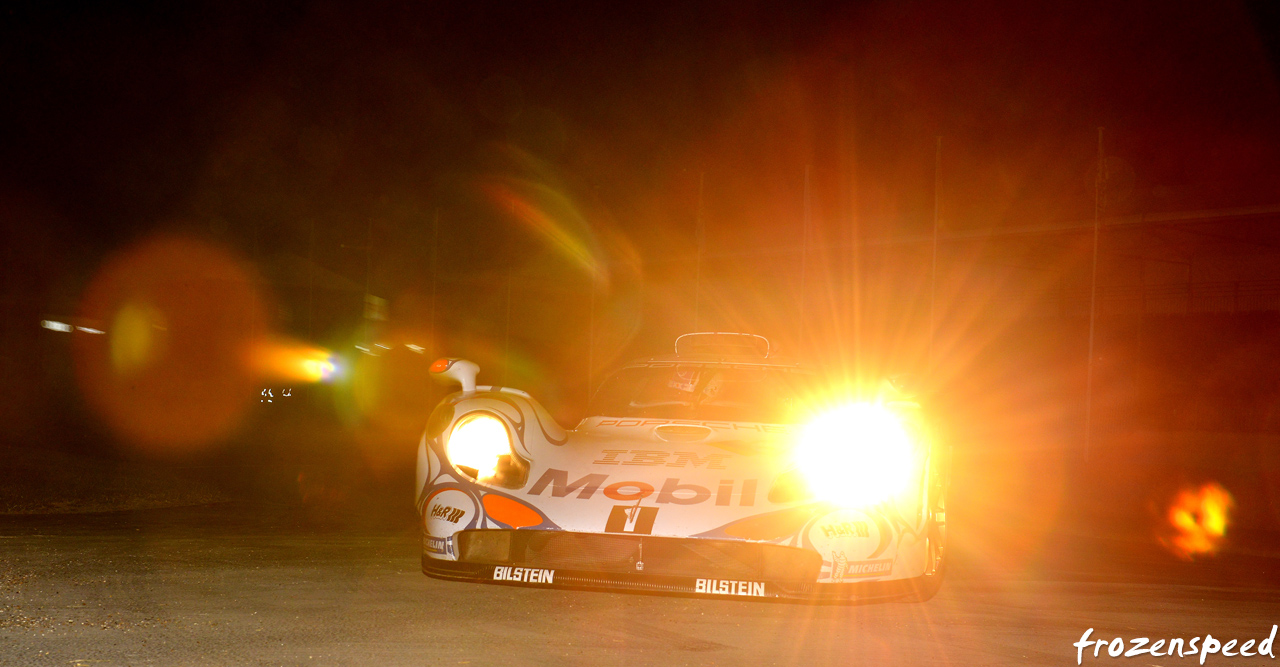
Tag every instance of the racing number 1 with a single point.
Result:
(640, 519)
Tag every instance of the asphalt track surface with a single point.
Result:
(245, 585)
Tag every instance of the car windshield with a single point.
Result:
(705, 392)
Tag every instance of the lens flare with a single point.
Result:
(137, 337)
(856, 455)
(171, 374)
(552, 216)
(1199, 519)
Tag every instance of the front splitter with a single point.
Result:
(515, 575)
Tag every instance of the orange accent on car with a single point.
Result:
(510, 512)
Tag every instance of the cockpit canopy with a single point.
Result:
(707, 392)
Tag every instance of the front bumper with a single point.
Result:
(680, 566)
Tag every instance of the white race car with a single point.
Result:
(721, 470)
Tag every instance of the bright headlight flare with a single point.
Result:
(477, 445)
(856, 455)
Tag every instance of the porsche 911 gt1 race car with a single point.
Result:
(721, 470)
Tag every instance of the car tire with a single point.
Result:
(925, 587)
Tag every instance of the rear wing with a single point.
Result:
(722, 343)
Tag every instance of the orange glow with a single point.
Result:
(381, 398)
(284, 360)
(171, 374)
(1199, 518)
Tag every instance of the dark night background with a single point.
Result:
(542, 168)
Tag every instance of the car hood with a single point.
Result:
(658, 477)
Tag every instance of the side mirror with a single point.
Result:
(457, 370)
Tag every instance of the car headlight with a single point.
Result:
(480, 447)
(856, 455)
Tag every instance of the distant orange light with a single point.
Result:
(1199, 519)
(292, 361)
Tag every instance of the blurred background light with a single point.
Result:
(287, 360)
(1199, 519)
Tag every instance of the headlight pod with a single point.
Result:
(479, 446)
(856, 455)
